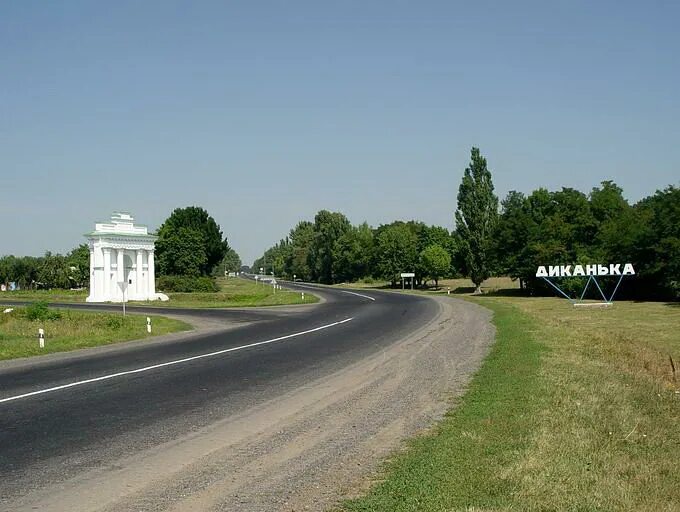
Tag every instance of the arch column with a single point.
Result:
(151, 277)
(107, 272)
(120, 271)
(93, 281)
(139, 282)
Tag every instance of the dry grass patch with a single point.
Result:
(606, 440)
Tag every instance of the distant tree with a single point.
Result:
(54, 271)
(328, 227)
(436, 262)
(274, 259)
(607, 202)
(230, 263)
(10, 269)
(181, 251)
(214, 246)
(352, 254)
(512, 236)
(79, 263)
(301, 238)
(657, 246)
(396, 251)
(435, 235)
(279, 255)
(476, 219)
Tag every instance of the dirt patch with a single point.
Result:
(307, 449)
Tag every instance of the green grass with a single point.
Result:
(233, 292)
(45, 295)
(74, 330)
(573, 409)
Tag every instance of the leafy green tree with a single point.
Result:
(279, 256)
(230, 263)
(607, 202)
(436, 262)
(476, 219)
(396, 251)
(352, 254)
(657, 246)
(541, 229)
(301, 238)
(54, 271)
(274, 259)
(512, 236)
(13, 270)
(79, 262)
(214, 246)
(328, 227)
(181, 251)
(5, 269)
(434, 235)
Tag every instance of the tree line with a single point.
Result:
(332, 250)
(570, 227)
(48, 271)
(507, 238)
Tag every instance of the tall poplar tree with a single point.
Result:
(476, 219)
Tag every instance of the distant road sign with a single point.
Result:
(408, 274)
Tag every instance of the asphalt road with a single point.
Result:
(60, 417)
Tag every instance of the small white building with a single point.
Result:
(121, 261)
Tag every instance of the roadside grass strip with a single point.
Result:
(70, 330)
(234, 293)
(572, 410)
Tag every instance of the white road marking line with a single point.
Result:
(171, 363)
(358, 295)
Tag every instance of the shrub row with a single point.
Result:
(186, 284)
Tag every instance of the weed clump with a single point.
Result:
(41, 311)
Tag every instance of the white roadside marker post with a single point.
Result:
(303, 296)
(41, 338)
(148, 325)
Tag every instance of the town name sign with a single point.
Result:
(586, 270)
(592, 272)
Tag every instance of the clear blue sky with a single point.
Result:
(265, 112)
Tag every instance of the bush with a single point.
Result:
(41, 311)
(117, 322)
(187, 284)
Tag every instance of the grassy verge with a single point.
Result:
(236, 292)
(71, 330)
(233, 293)
(45, 295)
(574, 409)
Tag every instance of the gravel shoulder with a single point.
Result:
(305, 450)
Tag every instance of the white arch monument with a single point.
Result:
(121, 261)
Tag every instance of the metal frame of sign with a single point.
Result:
(605, 301)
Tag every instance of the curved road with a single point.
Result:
(65, 415)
